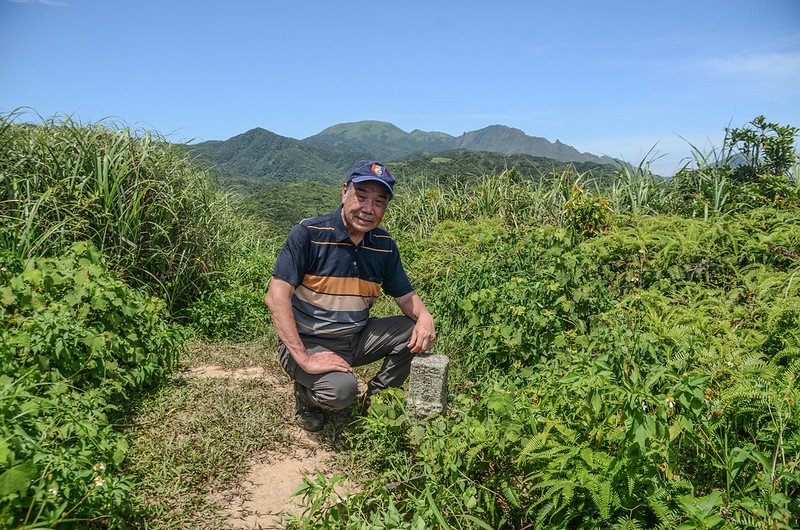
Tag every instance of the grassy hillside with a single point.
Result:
(624, 348)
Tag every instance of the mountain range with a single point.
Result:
(260, 157)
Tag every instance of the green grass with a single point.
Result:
(154, 215)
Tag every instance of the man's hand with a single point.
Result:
(323, 362)
(280, 306)
(423, 335)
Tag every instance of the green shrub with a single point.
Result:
(642, 377)
(75, 343)
(233, 307)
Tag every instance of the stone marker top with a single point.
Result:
(431, 359)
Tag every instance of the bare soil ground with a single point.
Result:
(264, 495)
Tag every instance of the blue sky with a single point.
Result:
(608, 77)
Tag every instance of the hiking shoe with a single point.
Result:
(363, 408)
(340, 417)
(306, 416)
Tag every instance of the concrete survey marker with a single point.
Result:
(427, 385)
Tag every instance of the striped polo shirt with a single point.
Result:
(336, 281)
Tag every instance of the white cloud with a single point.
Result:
(778, 66)
(666, 152)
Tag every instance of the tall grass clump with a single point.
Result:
(637, 189)
(705, 184)
(509, 196)
(136, 197)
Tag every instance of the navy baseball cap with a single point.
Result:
(372, 170)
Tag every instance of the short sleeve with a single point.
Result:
(293, 259)
(395, 280)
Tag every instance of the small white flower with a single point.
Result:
(670, 402)
(99, 467)
(644, 406)
(99, 481)
(54, 491)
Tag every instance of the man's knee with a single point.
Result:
(400, 331)
(335, 391)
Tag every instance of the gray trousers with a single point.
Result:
(382, 338)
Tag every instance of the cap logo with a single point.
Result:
(378, 170)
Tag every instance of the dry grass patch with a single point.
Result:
(196, 437)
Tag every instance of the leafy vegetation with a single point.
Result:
(153, 216)
(625, 347)
(106, 236)
(75, 343)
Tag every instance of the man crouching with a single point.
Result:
(329, 272)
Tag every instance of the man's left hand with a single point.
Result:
(423, 335)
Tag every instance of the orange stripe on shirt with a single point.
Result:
(341, 286)
(377, 249)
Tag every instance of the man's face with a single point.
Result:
(363, 206)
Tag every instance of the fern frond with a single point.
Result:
(657, 503)
(510, 493)
(566, 432)
(627, 523)
(601, 496)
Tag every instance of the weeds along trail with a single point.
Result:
(222, 436)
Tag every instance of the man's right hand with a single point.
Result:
(323, 362)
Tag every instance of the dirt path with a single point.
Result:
(265, 494)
